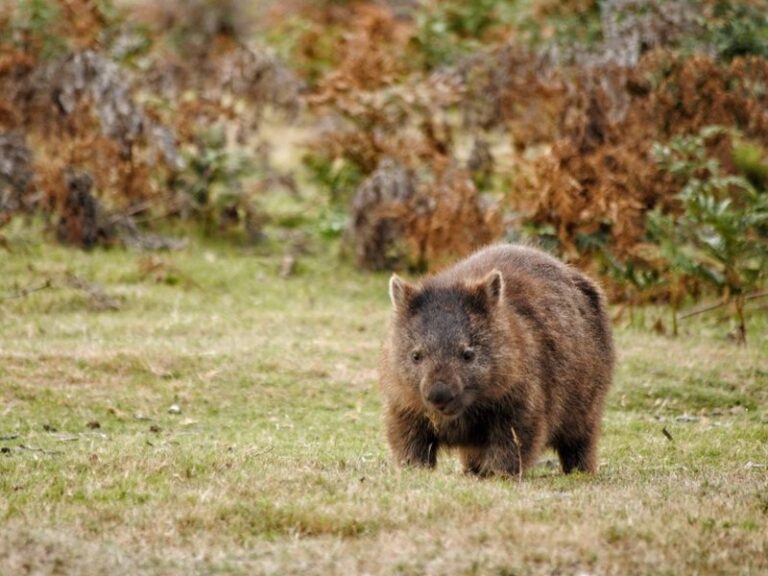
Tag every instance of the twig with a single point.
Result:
(703, 309)
(98, 297)
(67, 437)
(516, 440)
(253, 453)
(27, 291)
(720, 304)
(33, 449)
(756, 295)
(140, 207)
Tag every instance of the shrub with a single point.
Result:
(739, 29)
(103, 141)
(720, 234)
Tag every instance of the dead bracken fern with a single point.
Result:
(601, 174)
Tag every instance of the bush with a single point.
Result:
(84, 101)
(720, 234)
(739, 30)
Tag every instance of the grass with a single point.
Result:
(277, 464)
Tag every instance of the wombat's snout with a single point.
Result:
(440, 395)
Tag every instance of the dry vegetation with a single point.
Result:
(575, 127)
(497, 120)
(138, 110)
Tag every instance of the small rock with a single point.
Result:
(174, 409)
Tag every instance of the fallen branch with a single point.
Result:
(138, 208)
(131, 236)
(41, 450)
(98, 298)
(253, 453)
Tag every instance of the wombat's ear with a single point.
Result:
(493, 286)
(400, 292)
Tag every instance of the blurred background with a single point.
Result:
(628, 137)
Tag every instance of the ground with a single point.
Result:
(195, 412)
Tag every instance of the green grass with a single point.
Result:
(277, 462)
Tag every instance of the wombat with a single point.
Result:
(499, 356)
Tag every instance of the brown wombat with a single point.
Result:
(504, 353)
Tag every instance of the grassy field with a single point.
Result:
(196, 413)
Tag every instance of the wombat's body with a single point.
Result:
(505, 353)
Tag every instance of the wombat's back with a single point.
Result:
(539, 286)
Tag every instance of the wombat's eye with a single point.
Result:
(416, 356)
(468, 355)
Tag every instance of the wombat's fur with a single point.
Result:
(503, 354)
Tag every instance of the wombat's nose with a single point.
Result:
(440, 395)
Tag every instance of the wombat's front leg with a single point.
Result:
(578, 453)
(474, 459)
(411, 438)
(496, 459)
(509, 448)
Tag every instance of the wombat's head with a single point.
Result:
(443, 341)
